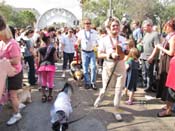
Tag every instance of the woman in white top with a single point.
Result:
(67, 43)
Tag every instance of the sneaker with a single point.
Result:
(87, 86)
(21, 106)
(14, 119)
(118, 117)
(148, 90)
(97, 102)
(63, 75)
(94, 87)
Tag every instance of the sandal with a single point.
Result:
(163, 114)
(50, 98)
(129, 102)
(44, 98)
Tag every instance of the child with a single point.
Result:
(132, 65)
(47, 57)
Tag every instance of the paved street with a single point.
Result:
(138, 117)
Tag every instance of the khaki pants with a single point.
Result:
(117, 81)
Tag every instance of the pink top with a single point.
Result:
(10, 50)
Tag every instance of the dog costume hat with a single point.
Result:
(62, 108)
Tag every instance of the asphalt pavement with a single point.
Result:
(138, 117)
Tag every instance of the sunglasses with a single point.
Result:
(87, 23)
(148, 25)
(115, 25)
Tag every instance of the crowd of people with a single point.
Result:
(124, 54)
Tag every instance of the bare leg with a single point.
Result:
(14, 100)
(50, 91)
(169, 107)
(131, 95)
(50, 97)
(43, 90)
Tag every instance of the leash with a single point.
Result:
(110, 77)
(78, 119)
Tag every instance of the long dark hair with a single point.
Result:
(45, 38)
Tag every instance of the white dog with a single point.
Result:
(61, 109)
(24, 96)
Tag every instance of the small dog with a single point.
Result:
(24, 95)
(62, 108)
(76, 71)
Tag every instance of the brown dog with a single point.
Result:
(76, 71)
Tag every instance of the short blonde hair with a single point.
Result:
(6, 33)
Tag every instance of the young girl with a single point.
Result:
(47, 57)
(132, 65)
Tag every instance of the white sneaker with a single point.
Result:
(14, 119)
(97, 102)
(118, 117)
(21, 106)
(63, 75)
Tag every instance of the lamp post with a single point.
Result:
(110, 8)
(158, 22)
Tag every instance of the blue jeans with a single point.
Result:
(89, 58)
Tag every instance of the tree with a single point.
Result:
(17, 19)
(97, 10)
(27, 18)
(6, 11)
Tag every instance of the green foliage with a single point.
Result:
(27, 18)
(6, 11)
(17, 19)
(97, 10)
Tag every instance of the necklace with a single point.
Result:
(87, 37)
(112, 43)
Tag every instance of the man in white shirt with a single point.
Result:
(113, 66)
(87, 38)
